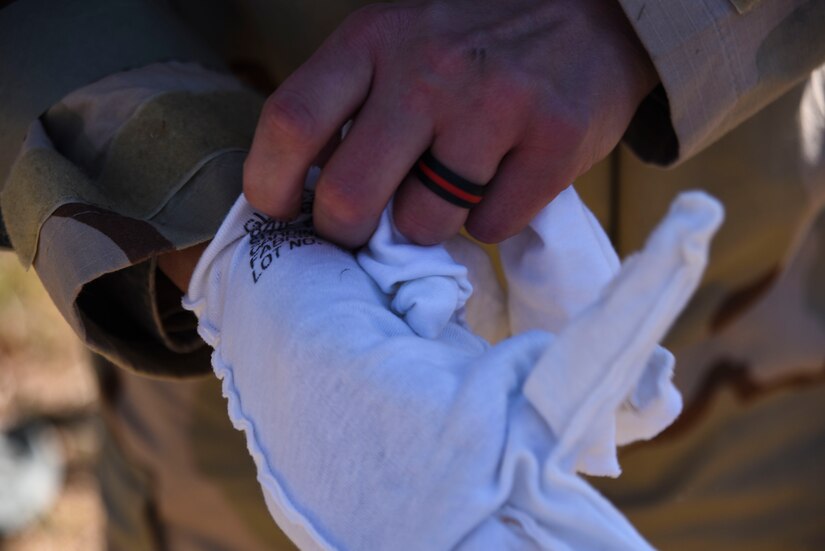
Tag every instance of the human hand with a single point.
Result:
(525, 95)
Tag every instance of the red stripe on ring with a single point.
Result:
(447, 186)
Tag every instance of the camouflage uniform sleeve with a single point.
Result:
(720, 61)
(52, 47)
(139, 163)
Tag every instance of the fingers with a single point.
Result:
(526, 181)
(358, 181)
(471, 84)
(425, 217)
(300, 117)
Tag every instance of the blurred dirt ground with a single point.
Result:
(45, 375)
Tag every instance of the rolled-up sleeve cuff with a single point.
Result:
(154, 168)
(53, 47)
(718, 65)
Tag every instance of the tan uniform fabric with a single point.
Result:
(708, 485)
(719, 66)
(175, 472)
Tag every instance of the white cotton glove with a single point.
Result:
(368, 436)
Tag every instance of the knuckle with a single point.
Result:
(448, 57)
(507, 97)
(419, 95)
(262, 195)
(341, 201)
(437, 71)
(288, 118)
(576, 126)
(443, 58)
(560, 130)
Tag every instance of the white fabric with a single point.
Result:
(367, 435)
(428, 287)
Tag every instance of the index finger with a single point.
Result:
(300, 118)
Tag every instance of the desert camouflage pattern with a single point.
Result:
(89, 205)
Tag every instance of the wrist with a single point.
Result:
(178, 266)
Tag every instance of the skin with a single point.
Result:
(524, 95)
(179, 265)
